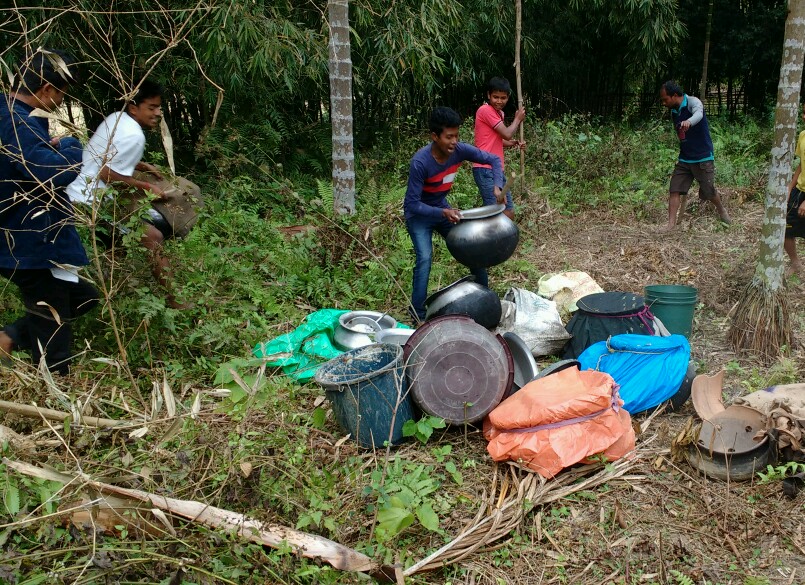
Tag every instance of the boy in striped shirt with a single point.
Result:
(433, 169)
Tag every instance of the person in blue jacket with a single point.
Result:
(40, 250)
(430, 178)
(696, 160)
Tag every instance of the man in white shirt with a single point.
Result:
(112, 155)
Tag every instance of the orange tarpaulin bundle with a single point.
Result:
(559, 420)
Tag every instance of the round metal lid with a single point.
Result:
(457, 369)
(482, 212)
(611, 303)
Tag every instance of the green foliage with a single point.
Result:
(780, 472)
(22, 493)
(680, 578)
(423, 428)
(751, 580)
(784, 371)
(403, 495)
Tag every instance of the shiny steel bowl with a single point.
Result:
(358, 328)
(484, 237)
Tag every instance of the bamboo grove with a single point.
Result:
(258, 68)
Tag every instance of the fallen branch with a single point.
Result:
(273, 535)
(57, 415)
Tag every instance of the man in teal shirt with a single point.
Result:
(695, 153)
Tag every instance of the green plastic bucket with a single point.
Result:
(674, 305)
(670, 291)
(368, 392)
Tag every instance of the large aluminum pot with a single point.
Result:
(466, 297)
(358, 328)
(484, 237)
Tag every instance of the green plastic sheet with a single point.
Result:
(301, 352)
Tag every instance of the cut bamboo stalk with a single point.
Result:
(274, 535)
(59, 416)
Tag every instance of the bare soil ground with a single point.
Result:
(667, 524)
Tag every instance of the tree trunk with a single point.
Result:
(519, 77)
(703, 87)
(761, 321)
(341, 108)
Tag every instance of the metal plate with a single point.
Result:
(394, 336)
(525, 366)
(482, 212)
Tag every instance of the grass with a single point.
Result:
(269, 447)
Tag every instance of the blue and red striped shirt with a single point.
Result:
(429, 181)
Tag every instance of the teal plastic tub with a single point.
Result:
(369, 393)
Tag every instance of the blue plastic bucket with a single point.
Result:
(369, 393)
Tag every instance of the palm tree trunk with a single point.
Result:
(761, 322)
(341, 108)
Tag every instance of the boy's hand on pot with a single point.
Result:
(452, 215)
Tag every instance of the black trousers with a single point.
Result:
(40, 326)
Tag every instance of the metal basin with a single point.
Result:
(457, 369)
(466, 297)
(484, 237)
(358, 328)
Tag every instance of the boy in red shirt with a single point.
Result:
(492, 135)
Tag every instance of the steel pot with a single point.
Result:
(358, 328)
(484, 237)
(466, 297)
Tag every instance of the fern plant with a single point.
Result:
(680, 578)
(325, 190)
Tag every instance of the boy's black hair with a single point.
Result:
(148, 89)
(47, 66)
(498, 84)
(672, 88)
(442, 118)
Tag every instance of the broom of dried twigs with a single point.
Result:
(760, 322)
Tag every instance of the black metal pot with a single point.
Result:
(466, 297)
(484, 237)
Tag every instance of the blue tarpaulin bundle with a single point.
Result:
(648, 369)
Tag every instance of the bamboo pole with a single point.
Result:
(518, 74)
(274, 535)
(59, 416)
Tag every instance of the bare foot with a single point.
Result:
(667, 229)
(795, 268)
(724, 217)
